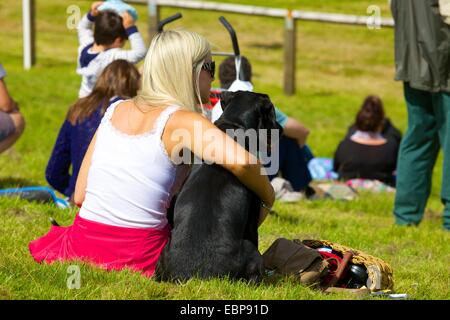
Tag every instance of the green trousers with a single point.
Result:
(428, 130)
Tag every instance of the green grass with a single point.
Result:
(337, 66)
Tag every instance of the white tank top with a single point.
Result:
(131, 179)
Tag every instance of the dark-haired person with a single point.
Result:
(388, 130)
(294, 154)
(366, 154)
(12, 122)
(119, 80)
(422, 63)
(102, 45)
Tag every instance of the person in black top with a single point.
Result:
(366, 153)
(388, 131)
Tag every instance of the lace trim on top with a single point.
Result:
(157, 128)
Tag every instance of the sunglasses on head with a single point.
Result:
(210, 67)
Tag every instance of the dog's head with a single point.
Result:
(248, 110)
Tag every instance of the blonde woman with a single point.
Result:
(129, 173)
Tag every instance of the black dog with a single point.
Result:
(215, 216)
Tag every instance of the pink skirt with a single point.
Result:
(110, 247)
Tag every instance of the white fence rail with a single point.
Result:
(270, 12)
(373, 20)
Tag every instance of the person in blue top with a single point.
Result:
(120, 79)
(294, 153)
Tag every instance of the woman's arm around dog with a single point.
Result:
(212, 145)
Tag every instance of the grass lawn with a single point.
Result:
(337, 66)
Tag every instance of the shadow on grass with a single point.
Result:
(9, 183)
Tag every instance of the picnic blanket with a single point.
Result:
(39, 194)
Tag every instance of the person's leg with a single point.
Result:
(416, 159)
(281, 157)
(441, 102)
(294, 167)
(15, 124)
(307, 153)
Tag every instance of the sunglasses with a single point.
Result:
(210, 67)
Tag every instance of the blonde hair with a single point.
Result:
(172, 69)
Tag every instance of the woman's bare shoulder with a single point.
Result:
(183, 118)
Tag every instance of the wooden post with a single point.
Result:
(29, 38)
(153, 18)
(289, 54)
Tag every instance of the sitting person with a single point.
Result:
(102, 34)
(131, 169)
(293, 152)
(12, 122)
(388, 131)
(366, 154)
(119, 80)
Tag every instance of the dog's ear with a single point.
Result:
(266, 109)
(225, 98)
(268, 115)
(267, 119)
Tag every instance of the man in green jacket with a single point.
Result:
(422, 62)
